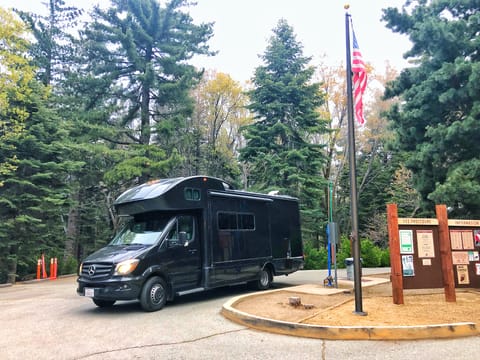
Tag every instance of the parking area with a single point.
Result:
(48, 320)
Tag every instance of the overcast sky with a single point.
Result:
(243, 27)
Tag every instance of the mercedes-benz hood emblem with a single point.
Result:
(91, 270)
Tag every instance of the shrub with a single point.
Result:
(370, 254)
(315, 258)
(385, 259)
(343, 251)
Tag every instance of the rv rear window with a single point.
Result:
(235, 221)
(192, 194)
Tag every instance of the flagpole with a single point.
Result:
(353, 175)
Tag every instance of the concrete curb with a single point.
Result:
(38, 281)
(434, 331)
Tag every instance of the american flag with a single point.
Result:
(359, 80)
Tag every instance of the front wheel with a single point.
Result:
(265, 279)
(154, 294)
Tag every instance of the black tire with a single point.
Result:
(154, 294)
(264, 279)
(103, 303)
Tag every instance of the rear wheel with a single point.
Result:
(103, 303)
(154, 294)
(265, 279)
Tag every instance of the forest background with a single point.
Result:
(88, 110)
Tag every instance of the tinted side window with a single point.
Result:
(183, 224)
(247, 222)
(227, 221)
(236, 221)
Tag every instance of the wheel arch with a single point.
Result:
(161, 273)
(269, 266)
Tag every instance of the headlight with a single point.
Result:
(126, 267)
(80, 269)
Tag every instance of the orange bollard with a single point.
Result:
(55, 268)
(44, 271)
(51, 269)
(38, 268)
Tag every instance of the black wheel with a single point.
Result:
(154, 294)
(265, 279)
(103, 303)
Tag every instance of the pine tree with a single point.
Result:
(36, 196)
(15, 76)
(53, 52)
(438, 122)
(279, 150)
(138, 81)
(52, 49)
(127, 105)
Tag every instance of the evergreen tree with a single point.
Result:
(138, 81)
(54, 55)
(15, 76)
(35, 197)
(128, 107)
(53, 48)
(438, 122)
(279, 150)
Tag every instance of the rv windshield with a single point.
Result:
(145, 231)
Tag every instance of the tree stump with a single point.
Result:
(294, 301)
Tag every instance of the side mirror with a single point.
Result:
(182, 236)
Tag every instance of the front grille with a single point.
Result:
(96, 270)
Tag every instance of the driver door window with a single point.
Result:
(183, 224)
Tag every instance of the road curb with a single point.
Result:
(434, 331)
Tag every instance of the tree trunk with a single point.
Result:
(72, 231)
(12, 269)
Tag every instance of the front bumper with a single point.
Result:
(111, 289)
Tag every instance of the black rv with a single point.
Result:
(185, 235)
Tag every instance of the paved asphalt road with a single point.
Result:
(47, 320)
